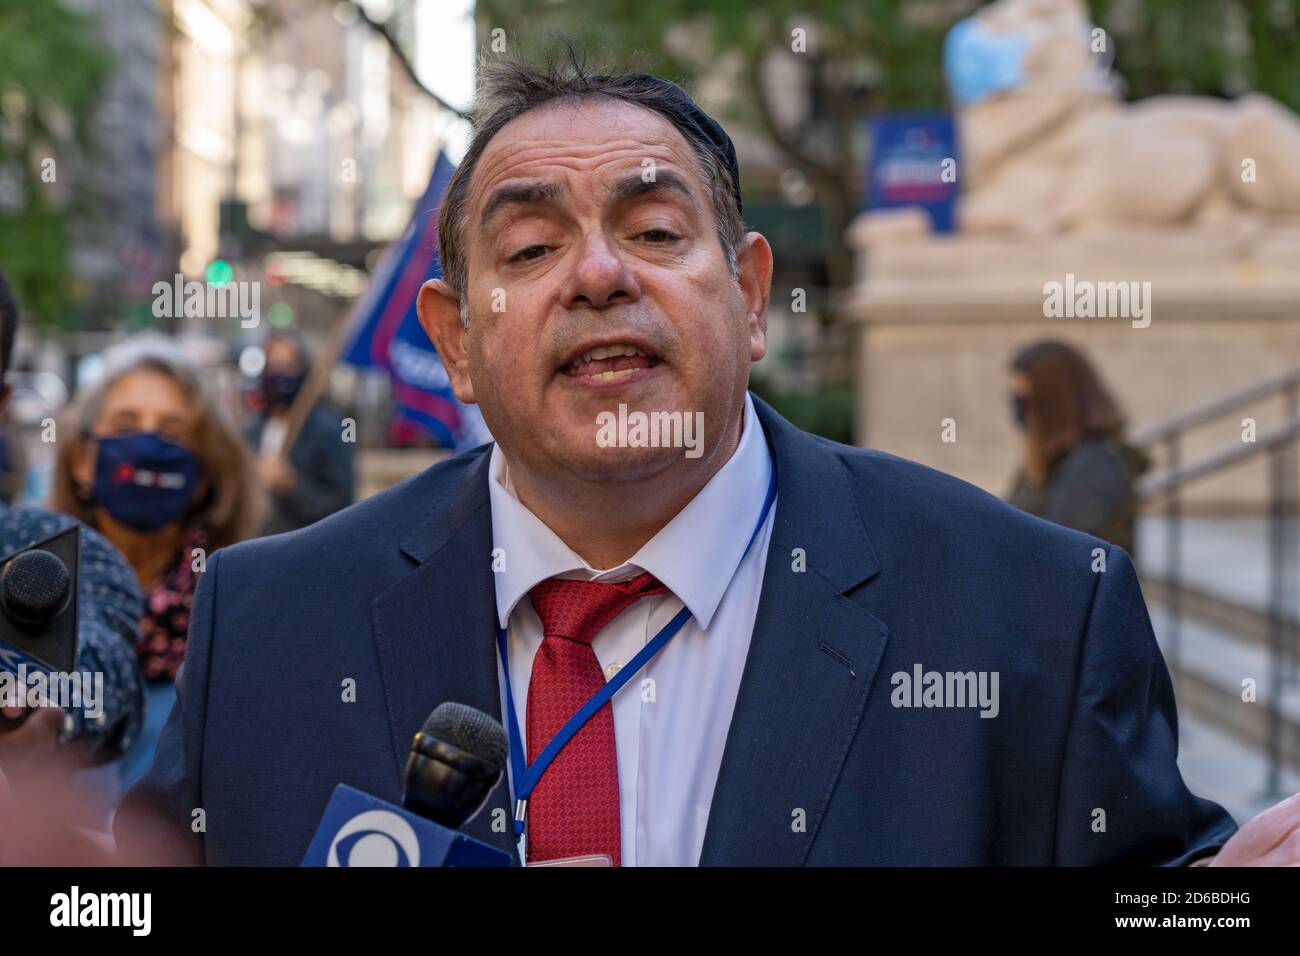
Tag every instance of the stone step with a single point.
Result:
(1219, 766)
(1208, 669)
(1243, 622)
(1226, 560)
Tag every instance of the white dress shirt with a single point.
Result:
(670, 720)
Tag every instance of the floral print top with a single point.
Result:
(166, 619)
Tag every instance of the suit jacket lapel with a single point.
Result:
(812, 659)
(434, 629)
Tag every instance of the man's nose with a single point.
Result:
(600, 278)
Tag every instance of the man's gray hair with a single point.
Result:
(508, 89)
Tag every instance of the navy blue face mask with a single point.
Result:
(281, 388)
(145, 481)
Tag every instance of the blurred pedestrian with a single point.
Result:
(154, 462)
(317, 478)
(13, 458)
(1077, 470)
(51, 816)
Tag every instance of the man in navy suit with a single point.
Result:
(880, 664)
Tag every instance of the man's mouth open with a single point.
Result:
(616, 363)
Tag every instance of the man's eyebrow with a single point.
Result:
(636, 185)
(521, 194)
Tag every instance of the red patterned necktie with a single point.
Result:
(574, 809)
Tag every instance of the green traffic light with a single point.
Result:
(280, 315)
(219, 272)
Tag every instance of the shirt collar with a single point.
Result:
(695, 555)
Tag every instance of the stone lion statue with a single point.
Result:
(1048, 147)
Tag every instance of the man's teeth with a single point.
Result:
(606, 351)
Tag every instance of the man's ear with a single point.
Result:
(754, 273)
(439, 310)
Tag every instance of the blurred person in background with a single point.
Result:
(1077, 470)
(13, 457)
(317, 478)
(154, 463)
(49, 817)
(108, 614)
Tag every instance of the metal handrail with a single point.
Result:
(1171, 479)
(1281, 445)
(1217, 408)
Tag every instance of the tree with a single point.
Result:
(857, 58)
(51, 74)
(1211, 47)
(381, 29)
(864, 56)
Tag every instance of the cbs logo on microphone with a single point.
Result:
(375, 838)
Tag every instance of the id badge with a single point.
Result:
(594, 859)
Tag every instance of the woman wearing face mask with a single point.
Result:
(157, 467)
(1077, 469)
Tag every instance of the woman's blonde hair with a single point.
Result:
(231, 509)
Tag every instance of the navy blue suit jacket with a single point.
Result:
(876, 565)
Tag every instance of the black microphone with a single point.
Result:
(38, 609)
(456, 760)
(34, 587)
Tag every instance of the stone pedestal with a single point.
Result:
(939, 318)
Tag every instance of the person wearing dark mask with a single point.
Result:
(156, 465)
(1077, 470)
(315, 478)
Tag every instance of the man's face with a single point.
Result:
(596, 278)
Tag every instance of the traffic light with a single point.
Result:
(219, 272)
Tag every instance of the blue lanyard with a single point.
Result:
(526, 778)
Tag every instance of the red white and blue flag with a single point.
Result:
(386, 332)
